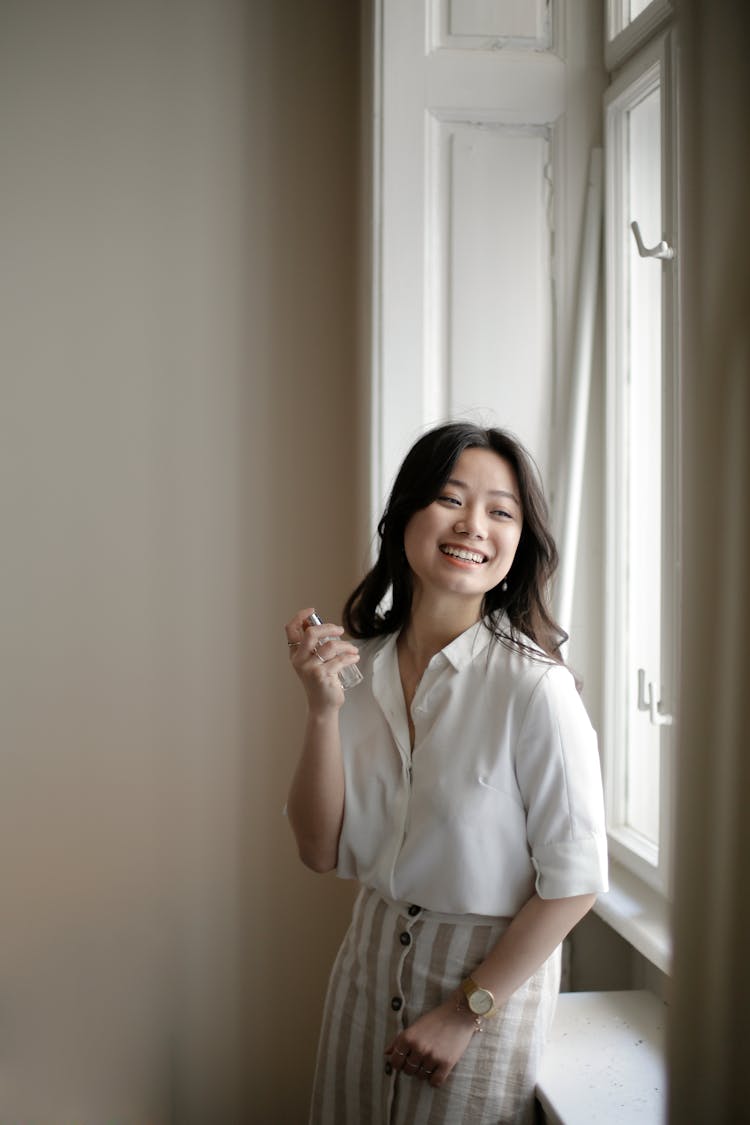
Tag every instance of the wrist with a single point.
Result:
(461, 1008)
(478, 1001)
(323, 716)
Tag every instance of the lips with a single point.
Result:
(463, 554)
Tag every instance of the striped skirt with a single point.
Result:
(395, 963)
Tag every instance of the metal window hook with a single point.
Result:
(661, 250)
(646, 702)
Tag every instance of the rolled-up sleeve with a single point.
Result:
(559, 775)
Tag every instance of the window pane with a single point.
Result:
(644, 459)
(636, 7)
(622, 13)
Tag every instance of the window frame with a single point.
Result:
(656, 56)
(622, 40)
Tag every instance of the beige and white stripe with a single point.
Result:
(395, 964)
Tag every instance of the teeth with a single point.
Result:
(459, 553)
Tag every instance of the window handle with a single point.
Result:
(661, 250)
(656, 715)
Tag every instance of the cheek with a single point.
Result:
(416, 532)
(411, 547)
(509, 548)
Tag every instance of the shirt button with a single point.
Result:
(414, 910)
(396, 1003)
(405, 938)
(388, 1068)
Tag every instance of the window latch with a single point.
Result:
(661, 250)
(646, 702)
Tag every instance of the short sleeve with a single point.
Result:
(559, 774)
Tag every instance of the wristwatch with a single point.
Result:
(481, 1002)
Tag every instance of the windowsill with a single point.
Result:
(604, 1060)
(638, 914)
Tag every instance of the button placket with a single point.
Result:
(405, 939)
(413, 913)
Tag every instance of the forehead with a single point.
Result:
(486, 471)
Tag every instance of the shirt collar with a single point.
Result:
(468, 645)
(462, 649)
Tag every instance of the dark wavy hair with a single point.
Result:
(420, 480)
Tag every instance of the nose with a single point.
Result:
(472, 523)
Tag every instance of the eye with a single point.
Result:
(450, 500)
(503, 513)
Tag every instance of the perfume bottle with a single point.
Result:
(349, 676)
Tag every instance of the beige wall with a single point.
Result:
(177, 476)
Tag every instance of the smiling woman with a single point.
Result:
(460, 785)
(465, 541)
(426, 474)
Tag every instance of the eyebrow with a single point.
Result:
(495, 492)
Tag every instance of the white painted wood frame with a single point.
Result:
(484, 114)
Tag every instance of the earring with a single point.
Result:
(504, 586)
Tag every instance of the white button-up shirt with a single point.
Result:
(501, 794)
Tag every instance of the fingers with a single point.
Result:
(417, 1068)
(295, 628)
(318, 654)
(298, 631)
(304, 641)
(327, 649)
(412, 1063)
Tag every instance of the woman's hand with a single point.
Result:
(318, 654)
(433, 1044)
(316, 797)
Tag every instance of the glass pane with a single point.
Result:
(636, 7)
(644, 459)
(621, 14)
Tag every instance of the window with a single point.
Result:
(631, 24)
(642, 492)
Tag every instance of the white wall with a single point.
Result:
(178, 391)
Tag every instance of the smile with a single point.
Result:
(463, 554)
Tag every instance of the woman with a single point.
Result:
(460, 785)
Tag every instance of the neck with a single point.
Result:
(433, 625)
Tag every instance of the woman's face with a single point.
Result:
(464, 542)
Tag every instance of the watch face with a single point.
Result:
(481, 1002)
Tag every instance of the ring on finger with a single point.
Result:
(293, 644)
(320, 658)
(398, 1051)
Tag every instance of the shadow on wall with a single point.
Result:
(308, 449)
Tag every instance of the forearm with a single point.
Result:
(533, 935)
(315, 805)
